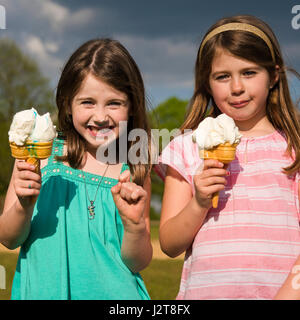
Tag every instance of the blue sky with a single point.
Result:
(162, 36)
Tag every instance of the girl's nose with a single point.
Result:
(100, 114)
(237, 86)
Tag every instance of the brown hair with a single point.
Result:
(109, 61)
(281, 111)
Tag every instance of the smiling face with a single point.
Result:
(97, 110)
(239, 88)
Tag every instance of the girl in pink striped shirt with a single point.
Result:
(249, 246)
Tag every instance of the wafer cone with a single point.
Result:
(32, 152)
(224, 153)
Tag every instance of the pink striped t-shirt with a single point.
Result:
(248, 245)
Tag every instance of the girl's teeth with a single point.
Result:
(97, 129)
(105, 130)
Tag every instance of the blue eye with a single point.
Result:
(222, 77)
(114, 104)
(249, 73)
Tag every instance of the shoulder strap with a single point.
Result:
(125, 167)
(57, 150)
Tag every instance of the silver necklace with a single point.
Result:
(91, 207)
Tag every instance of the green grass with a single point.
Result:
(9, 261)
(154, 230)
(162, 278)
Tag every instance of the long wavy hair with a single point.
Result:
(109, 61)
(281, 111)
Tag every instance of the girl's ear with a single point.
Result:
(276, 76)
(130, 111)
(69, 111)
(208, 90)
(69, 114)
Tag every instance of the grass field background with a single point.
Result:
(162, 276)
(8, 259)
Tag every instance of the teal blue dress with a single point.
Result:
(67, 255)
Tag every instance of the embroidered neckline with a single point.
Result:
(56, 167)
(266, 136)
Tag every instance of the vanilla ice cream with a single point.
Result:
(43, 130)
(214, 131)
(29, 125)
(21, 126)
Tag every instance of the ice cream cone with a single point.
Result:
(32, 152)
(26, 134)
(224, 153)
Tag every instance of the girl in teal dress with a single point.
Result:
(87, 235)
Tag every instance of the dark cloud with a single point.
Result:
(162, 36)
(172, 18)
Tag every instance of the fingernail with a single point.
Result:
(227, 173)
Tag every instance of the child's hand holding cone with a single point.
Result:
(217, 139)
(26, 182)
(30, 139)
(209, 181)
(224, 153)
